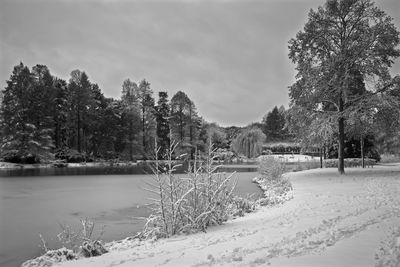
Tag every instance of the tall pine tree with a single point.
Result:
(130, 117)
(26, 133)
(80, 99)
(147, 108)
(185, 122)
(162, 118)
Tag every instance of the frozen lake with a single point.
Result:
(33, 205)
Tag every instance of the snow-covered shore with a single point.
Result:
(8, 165)
(290, 158)
(283, 158)
(333, 220)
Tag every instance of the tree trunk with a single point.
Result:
(130, 139)
(320, 158)
(341, 137)
(248, 149)
(181, 131)
(84, 140)
(362, 152)
(143, 130)
(191, 131)
(79, 131)
(57, 135)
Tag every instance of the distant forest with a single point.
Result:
(45, 118)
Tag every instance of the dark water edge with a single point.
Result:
(108, 170)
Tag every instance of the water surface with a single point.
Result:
(33, 205)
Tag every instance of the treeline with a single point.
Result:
(43, 117)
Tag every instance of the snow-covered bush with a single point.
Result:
(242, 205)
(81, 241)
(77, 243)
(51, 257)
(277, 189)
(92, 248)
(271, 168)
(190, 203)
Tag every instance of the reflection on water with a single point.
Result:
(32, 205)
(133, 169)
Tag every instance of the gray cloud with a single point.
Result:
(230, 57)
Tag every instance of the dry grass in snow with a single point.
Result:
(333, 220)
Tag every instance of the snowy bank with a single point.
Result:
(290, 158)
(8, 165)
(332, 220)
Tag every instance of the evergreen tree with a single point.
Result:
(179, 114)
(95, 133)
(147, 109)
(42, 101)
(41, 106)
(185, 122)
(25, 138)
(274, 123)
(162, 118)
(107, 126)
(80, 100)
(130, 116)
(60, 114)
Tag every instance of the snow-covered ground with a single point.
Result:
(351, 220)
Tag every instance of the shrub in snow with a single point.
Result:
(51, 257)
(277, 189)
(243, 205)
(271, 168)
(81, 241)
(77, 243)
(191, 203)
(92, 249)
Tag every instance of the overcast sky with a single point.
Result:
(229, 57)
